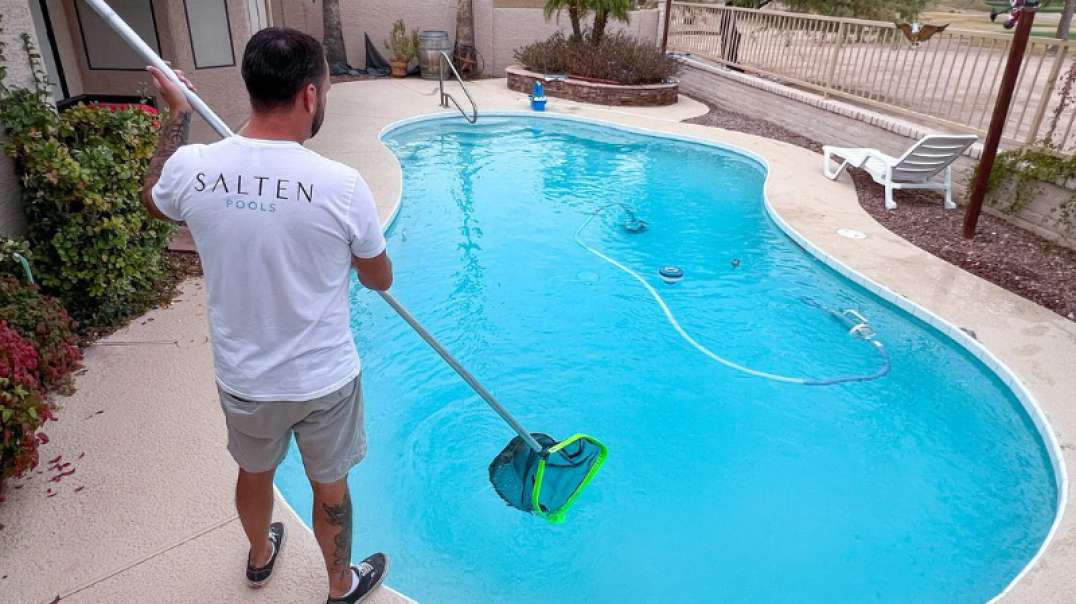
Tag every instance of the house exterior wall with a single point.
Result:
(221, 87)
(15, 21)
(501, 26)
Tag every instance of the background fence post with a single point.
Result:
(1048, 91)
(831, 68)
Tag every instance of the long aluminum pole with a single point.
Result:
(222, 129)
(463, 373)
(151, 58)
(1001, 114)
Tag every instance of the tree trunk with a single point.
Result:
(464, 54)
(601, 17)
(334, 33)
(1066, 20)
(574, 17)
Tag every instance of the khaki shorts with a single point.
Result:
(329, 431)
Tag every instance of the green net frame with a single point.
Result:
(558, 515)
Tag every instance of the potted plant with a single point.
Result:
(404, 48)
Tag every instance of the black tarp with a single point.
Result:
(376, 65)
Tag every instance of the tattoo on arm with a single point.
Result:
(340, 516)
(173, 135)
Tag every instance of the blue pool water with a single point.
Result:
(930, 484)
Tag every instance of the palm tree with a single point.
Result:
(334, 33)
(577, 9)
(1066, 20)
(603, 9)
(464, 54)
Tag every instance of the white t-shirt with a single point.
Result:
(276, 226)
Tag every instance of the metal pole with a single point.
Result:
(1001, 113)
(665, 32)
(151, 58)
(203, 109)
(463, 373)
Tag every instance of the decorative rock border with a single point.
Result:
(646, 95)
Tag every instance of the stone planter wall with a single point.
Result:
(1042, 214)
(651, 95)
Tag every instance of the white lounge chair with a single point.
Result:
(913, 170)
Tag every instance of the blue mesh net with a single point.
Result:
(514, 472)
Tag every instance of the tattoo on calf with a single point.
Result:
(340, 516)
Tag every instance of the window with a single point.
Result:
(211, 33)
(105, 49)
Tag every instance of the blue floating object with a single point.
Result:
(671, 274)
(538, 99)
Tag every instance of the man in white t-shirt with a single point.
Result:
(278, 228)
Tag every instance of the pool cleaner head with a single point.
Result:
(634, 225)
(671, 274)
(546, 483)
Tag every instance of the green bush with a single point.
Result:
(41, 320)
(23, 407)
(94, 245)
(618, 58)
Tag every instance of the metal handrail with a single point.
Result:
(445, 97)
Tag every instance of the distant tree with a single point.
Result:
(333, 35)
(881, 10)
(1066, 20)
(603, 9)
(464, 55)
(577, 9)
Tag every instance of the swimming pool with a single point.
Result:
(930, 483)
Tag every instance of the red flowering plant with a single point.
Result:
(46, 325)
(23, 407)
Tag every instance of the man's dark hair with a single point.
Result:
(278, 63)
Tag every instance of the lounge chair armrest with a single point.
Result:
(876, 154)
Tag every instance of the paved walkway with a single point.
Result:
(148, 513)
(154, 519)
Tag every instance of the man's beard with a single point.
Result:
(319, 117)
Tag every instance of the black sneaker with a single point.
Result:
(257, 577)
(371, 573)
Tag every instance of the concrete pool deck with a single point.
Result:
(155, 516)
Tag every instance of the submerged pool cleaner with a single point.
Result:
(671, 274)
(534, 473)
(861, 328)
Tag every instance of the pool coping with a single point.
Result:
(1008, 375)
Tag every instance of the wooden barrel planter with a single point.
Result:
(596, 92)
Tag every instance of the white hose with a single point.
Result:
(671, 318)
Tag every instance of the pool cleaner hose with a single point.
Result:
(860, 328)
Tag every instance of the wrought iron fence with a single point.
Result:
(949, 80)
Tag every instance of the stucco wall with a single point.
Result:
(15, 21)
(515, 27)
(501, 26)
(221, 87)
(377, 16)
